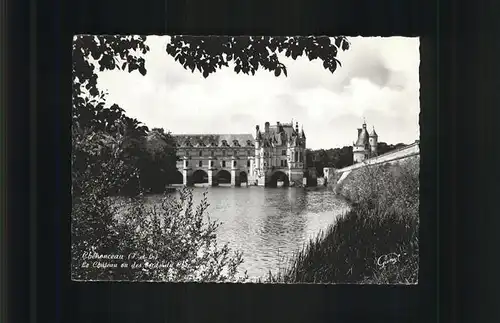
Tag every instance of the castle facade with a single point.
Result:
(277, 153)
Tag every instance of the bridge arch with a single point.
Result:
(177, 178)
(279, 176)
(223, 177)
(243, 177)
(200, 176)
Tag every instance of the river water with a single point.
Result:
(268, 224)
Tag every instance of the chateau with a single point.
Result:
(276, 154)
(365, 146)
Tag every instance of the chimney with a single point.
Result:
(266, 127)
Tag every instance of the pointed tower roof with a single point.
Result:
(373, 133)
(362, 138)
(303, 134)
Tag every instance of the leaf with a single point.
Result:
(277, 71)
(205, 73)
(284, 71)
(123, 65)
(142, 70)
(345, 45)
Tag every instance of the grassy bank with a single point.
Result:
(375, 242)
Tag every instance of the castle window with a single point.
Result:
(265, 164)
(223, 153)
(211, 163)
(212, 153)
(200, 163)
(296, 156)
(223, 163)
(285, 163)
(235, 153)
(248, 163)
(234, 163)
(200, 153)
(283, 153)
(282, 165)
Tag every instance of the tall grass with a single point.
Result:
(375, 242)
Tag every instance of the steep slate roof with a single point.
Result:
(362, 138)
(207, 140)
(279, 135)
(373, 133)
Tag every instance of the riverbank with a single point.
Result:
(375, 242)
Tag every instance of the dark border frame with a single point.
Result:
(54, 298)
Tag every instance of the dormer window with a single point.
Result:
(224, 143)
(236, 143)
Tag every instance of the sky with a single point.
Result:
(378, 82)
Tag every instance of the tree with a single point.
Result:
(205, 54)
(208, 54)
(383, 148)
(159, 164)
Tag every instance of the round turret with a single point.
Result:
(373, 139)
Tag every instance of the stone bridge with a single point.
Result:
(392, 157)
(212, 173)
(238, 172)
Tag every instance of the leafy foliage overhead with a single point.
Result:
(109, 52)
(208, 54)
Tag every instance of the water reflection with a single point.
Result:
(268, 223)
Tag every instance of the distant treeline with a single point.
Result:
(340, 157)
(147, 158)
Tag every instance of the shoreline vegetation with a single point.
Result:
(375, 242)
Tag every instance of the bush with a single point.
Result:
(173, 242)
(178, 237)
(375, 242)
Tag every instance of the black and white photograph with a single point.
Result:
(248, 159)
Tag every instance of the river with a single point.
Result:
(268, 224)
